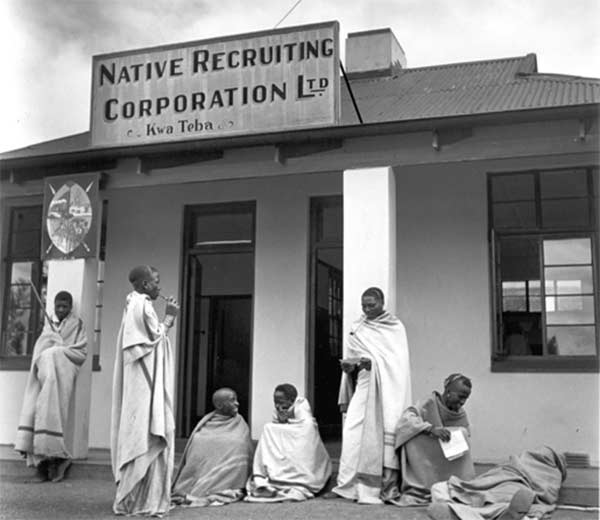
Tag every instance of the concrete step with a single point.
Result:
(580, 488)
(96, 466)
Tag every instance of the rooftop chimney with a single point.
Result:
(375, 52)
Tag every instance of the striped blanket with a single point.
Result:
(56, 359)
(369, 465)
(142, 426)
(215, 464)
(423, 462)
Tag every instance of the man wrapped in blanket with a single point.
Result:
(57, 355)
(216, 461)
(142, 420)
(291, 462)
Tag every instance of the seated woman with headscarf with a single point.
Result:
(418, 435)
(291, 462)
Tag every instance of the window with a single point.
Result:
(544, 248)
(25, 274)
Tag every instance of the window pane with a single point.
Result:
(25, 231)
(519, 259)
(17, 331)
(522, 334)
(26, 244)
(330, 224)
(223, 228)
(535, 298)
(21, 272)
(569, 183)
(571, 341)
(513, 187)
(26, 219)
(569, 280)
(568, 251)
(514, 296)
(17, 341)
(20, 296)
(565, 213)
(514, 215)
(569, 310)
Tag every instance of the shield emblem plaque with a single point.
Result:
(70, 226)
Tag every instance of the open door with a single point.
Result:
(326, 312)
(216, 339)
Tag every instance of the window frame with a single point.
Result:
(501, 362)
(9, 205)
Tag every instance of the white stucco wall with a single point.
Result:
(442, 280)
(13, 386)
(444, 300)
(138, 233)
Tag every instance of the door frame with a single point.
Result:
(187, 255)
(316, 203)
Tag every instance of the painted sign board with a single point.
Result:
(269, 81)
(70, 219)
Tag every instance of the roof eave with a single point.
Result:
(307, 135)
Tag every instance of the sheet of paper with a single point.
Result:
(457, 445)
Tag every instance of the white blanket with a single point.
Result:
(56, 359)
(291, 462)
(369, 464)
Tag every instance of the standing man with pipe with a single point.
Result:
(143, 426)
(58, 353)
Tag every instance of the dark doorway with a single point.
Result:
(228, 347)
(216, 339)
(326, 312)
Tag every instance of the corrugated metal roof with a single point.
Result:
(469, 88)
(71, 143)
(466, 89)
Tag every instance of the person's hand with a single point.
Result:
(283, 416)
(172, 308)
(440, 433)
(343, 408)
(364, 363)
(347, 366)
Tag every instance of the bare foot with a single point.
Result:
(61, 469)
(264, 492)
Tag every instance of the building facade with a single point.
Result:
(468, 192)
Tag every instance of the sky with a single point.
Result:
(46, 46)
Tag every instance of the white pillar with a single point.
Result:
(279, 333)
(79, 278)
(369, 238)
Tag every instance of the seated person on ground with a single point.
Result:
(291, 462)
(528, 485)
(216, 462)
(418, 435)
